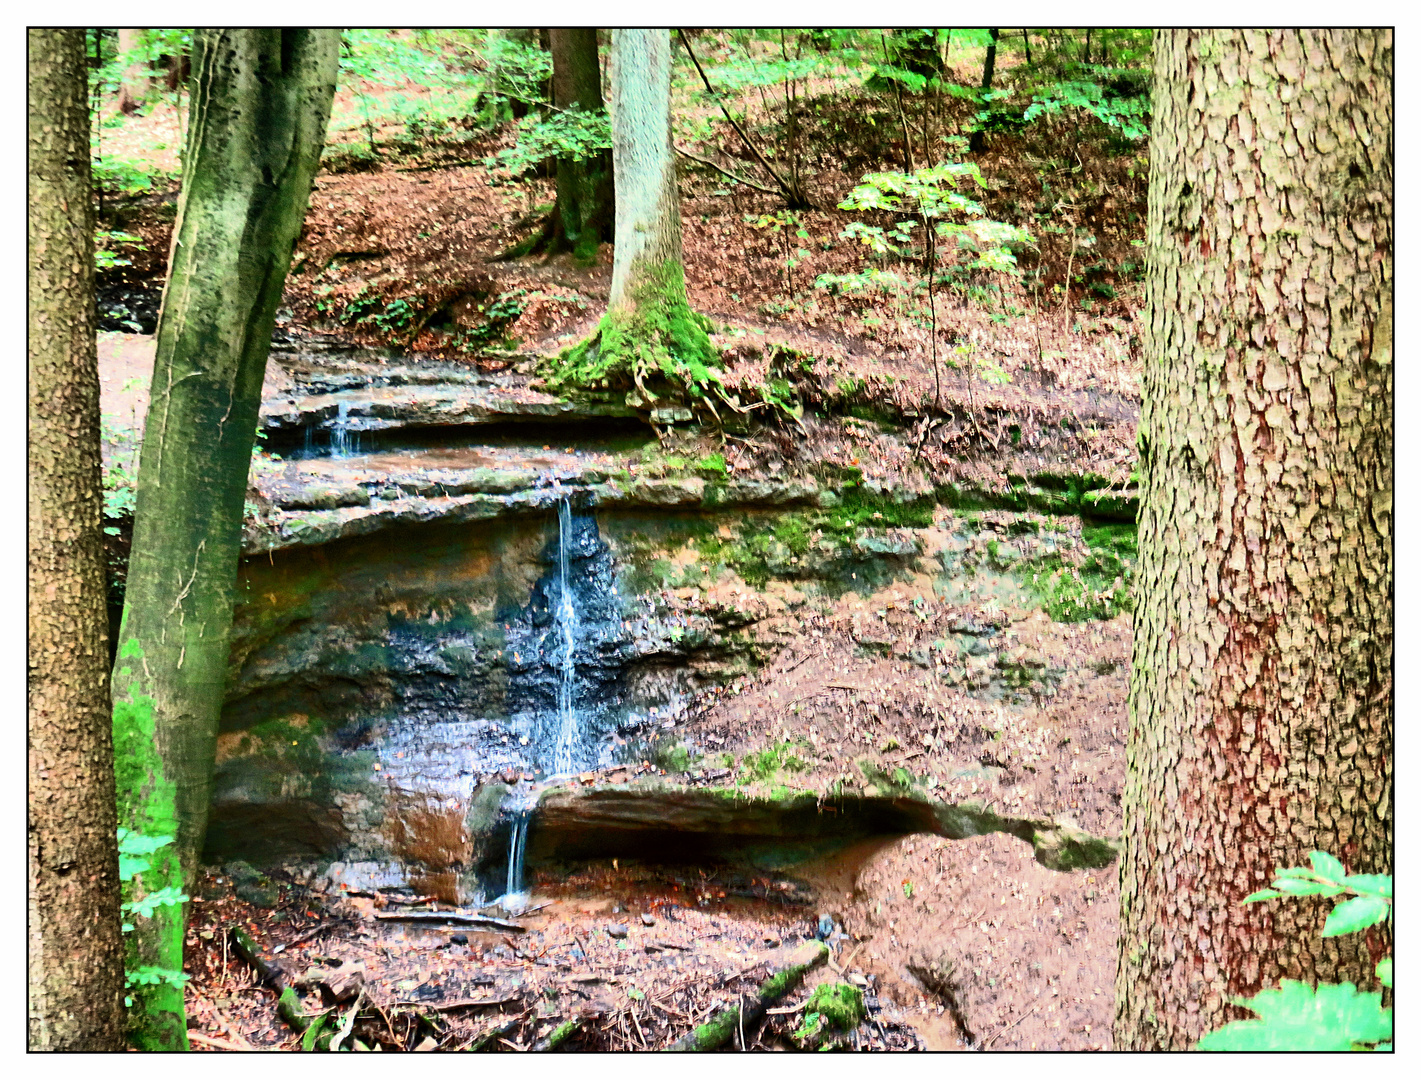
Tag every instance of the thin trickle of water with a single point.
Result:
(341, 442)
(569, 729)
(517, 842)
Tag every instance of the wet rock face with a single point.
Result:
(601, 650)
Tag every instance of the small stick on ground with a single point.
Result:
(1013, 1024)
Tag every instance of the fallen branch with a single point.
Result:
(466, 1003)
(724, 172)
(1013, 1024)
(288, 1005)
(721, 1028)
(451, 916)
(495, 1031)
(307, 936)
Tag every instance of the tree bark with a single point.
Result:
(584, 215)
(133, 87)
(261, 99)
(648, 225)
(989, 69)
(75, 949)
(1261, 694)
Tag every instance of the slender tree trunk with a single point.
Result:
(585, 212)
(1261, 694)
(648, 226)
(75, 950)
(260, 102)
(989, 69)
(133, 88)
(649, 337)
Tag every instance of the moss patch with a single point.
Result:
(1097, 587)
(655, 347)
(832, 1006)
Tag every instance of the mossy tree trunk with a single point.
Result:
(75, 950)
(584, 214)
(1261, 716)
(649, 341)
(260, 102)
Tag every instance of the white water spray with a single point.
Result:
(566, 620)
(341, 443)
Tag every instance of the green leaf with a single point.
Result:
(1261, 894)
(1370, 884)
(1384, 972)
(1299, 887)
(1296, 1017)
(1327, 866)
(1293, 872)
(1356, 914)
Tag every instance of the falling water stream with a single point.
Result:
(342, 442)
(567, 719)
(569, 730)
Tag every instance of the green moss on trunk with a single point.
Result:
(654, 346)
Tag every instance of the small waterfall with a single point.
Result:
(343, 442)
(569, 729)
(513, 894)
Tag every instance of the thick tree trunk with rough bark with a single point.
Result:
(648, 227)
(75, 950)
(1261, 693)
(649, 337)
(260, 101)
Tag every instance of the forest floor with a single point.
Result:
(642, 952)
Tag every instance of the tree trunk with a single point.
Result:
(584, 215)
(260, 103)
(133, 87)
(649, 336)
(648, 226)
(1261, 693)
(989, 69)
(75, 949)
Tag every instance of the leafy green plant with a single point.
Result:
(133, 852)
(769, 762)
(104, 238)
(1128, 115)
(1331, 1016)
(576, 133)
